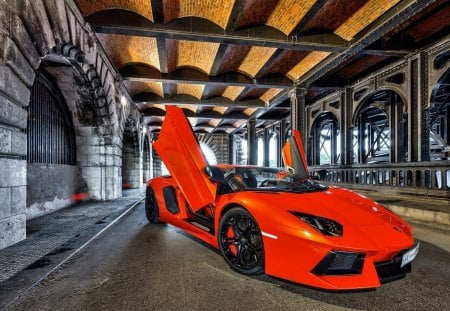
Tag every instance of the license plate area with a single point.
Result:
(410, 255)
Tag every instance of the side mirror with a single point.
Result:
(215, 174)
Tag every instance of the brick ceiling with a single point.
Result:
(225, 61)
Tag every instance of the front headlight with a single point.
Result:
(324, 225)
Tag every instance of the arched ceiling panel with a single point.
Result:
(286, 61)
(368, 13)
(196, 54)
(288, 13)
(255, 59)
(254, 93)
(232, 92)
(141, 87)
(269, 94)
(217, 11)
(141, 7)
(195, 90)
(250, 111)
(256, 14)
(220, 110)
(306, 64)
(332, 15)
(214, 92)
(232, 58)
(129, 49)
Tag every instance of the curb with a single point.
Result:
(420, 214)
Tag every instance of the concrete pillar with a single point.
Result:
(252, 148)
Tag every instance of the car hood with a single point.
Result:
(366, 223)
(339, 204)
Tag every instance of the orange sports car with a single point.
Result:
(277, 222)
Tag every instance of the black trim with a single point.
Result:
(170, 199)
(203, 220)
(340, 263)
(389, 271)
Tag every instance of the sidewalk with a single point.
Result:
(62, 231)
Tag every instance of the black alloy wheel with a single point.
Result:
(151, 206)
(240, 242)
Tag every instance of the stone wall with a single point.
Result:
(51, 187)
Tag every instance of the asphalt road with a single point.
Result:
(135, 265)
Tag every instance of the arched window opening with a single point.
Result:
(260, 142)
(52, 175)
(439, 114)
(273, 150)
(326, 140)
(378, 122)
(50, 134)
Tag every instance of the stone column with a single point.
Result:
(99, 158)
(16, 79)
(252, 149)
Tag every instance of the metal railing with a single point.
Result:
(431, 177)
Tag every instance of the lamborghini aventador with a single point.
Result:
(277, 221)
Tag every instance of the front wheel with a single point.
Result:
(240, 242)
(151, 206)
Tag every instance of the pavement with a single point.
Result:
(55, 233)
(53, 236)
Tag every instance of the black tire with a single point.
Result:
(240, 242)
(151, 206)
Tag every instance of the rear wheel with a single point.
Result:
(151, 206)
(240, 242)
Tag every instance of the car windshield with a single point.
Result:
(268, 179)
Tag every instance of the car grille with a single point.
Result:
(339, 263)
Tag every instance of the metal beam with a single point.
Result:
(188, 100)
(209, 115)
(327, 42)
(238, 9)
(394, 53)
(157, 11)
(141, 73)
